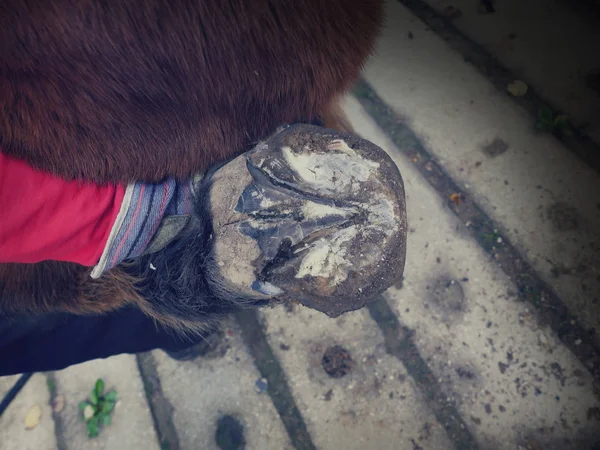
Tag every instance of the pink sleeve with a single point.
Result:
(43, 217)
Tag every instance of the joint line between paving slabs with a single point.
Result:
(475, 54)
(399, 343)
(160, 407)
(279, 390)
(550, 308)
(59, 424)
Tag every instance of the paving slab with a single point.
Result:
(544, 199)
(132, 426)
(13, 432)
(562, 66)
(221, 384)
(368, 402)
(6, 384)
(513, 381)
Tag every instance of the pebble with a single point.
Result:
(32, 418)
(59, 403)
(261, 385)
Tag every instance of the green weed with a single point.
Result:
(96, 411)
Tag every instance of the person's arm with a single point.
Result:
(43, 217)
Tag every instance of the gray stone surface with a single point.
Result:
(543, 197)
(375, 405)
(204, 390)
(131, 427)
(511, 377)
(13, 433)
(563, 67)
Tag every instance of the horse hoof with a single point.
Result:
(309, 215)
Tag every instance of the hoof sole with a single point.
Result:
(310, 215)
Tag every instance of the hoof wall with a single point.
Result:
(310, 215)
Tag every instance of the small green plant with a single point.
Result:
(96, 411)
(551, 122)
(492, 238)
(51, 385)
